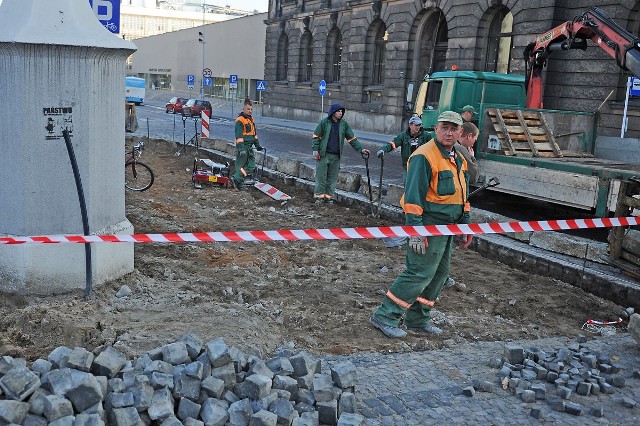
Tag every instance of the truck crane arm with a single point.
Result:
(592, 25)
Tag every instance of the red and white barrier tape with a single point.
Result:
(333, 233)
(594, 322)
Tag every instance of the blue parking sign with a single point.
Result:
(191, 79)
(635, 86)
(108, 13)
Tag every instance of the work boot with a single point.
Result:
(319, 201)
(428, 329)
(450, 282)
(234, 183)
(388, 330)
(329, 201)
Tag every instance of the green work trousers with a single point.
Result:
(245, 163)
(327, 169)
(423, 278)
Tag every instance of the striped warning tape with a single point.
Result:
(333, 233)
(272, 191)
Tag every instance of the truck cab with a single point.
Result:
(452, 90)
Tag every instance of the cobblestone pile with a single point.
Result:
(557, 377)
(187, 382)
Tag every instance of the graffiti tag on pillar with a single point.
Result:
(57, 119)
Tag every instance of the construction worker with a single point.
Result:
(408, 141)
(464, 146)
(468, 112)
(436, 193)
(246, 138)
(327, 142)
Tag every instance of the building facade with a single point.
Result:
(166, 60)
(374, 54)
(144, 18)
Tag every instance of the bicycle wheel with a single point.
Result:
(138, 176)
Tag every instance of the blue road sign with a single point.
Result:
(206, 81)
(108, 13)
(635, 86)
(191, 79)
(322, 87)
(233, 81)
(261, 85)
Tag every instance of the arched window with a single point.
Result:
(376, 49)
(282, 67)
(334, 55)
(306, 56)
(499, 40)
(432, 45)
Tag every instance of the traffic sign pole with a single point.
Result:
(322, 88)
(261, 86)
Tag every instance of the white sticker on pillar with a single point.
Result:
(56, 120)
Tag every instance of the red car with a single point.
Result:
(195, 106)
(175, 105)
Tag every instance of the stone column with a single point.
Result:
(61, 69)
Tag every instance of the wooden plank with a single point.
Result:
(616, 235)
(532, 145)
(556, 148)
(504, 131)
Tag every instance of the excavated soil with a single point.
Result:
(260, 296)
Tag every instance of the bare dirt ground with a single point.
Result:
(315, 296)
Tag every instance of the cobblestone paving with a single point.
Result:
(427, 387)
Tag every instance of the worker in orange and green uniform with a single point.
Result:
(246, 138)
(327, 142)
(436, 191)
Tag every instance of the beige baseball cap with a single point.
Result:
(450, 117)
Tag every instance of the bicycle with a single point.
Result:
(137, 175)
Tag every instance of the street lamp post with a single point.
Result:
(203, 42)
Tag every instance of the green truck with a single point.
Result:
(535, 153)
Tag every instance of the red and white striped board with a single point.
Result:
(272, 192)
(205, 114)
(332, 233)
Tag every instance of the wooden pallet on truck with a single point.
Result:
(523, 133)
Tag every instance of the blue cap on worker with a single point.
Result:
(450, 117)
(469, 108)
(417, 121)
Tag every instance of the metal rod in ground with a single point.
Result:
(173, 135)
(148, 128)
(195, 137)
(83, 212)
(264, 156)
(380, 186)
(365, 156)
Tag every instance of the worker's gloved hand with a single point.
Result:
(417, 244)
(365, 151)
(380, 153)
(316, 155)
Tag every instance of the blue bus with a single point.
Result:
(135, 89)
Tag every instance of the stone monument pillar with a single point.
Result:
(60, 69)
